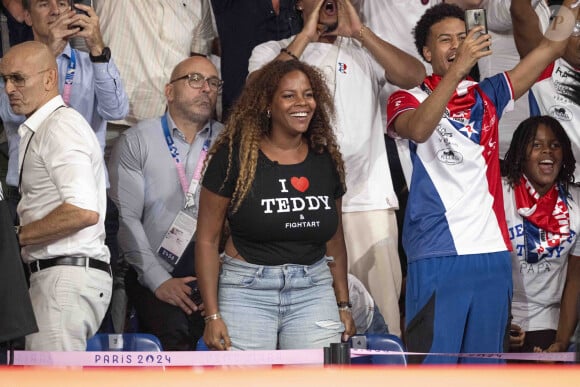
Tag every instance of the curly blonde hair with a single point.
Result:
(248, 123)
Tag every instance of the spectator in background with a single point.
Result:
(455, 232)
(356, 64)
(242, 27)
(12, 26)
(151, 193)
(149, 38)
(543, 218)
(557, 91)
(88, 82)
(62, 211)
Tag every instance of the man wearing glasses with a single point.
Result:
(88, 82)
(62, 210)
(155, 170)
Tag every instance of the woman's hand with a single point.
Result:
(216, 335)
(349, 327)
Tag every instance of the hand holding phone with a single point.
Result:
(77, 10)
(475, 18)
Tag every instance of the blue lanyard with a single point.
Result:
(70, 75)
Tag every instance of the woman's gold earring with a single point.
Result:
(268, 113)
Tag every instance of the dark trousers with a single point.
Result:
(176, 330)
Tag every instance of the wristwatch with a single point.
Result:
(103, 58)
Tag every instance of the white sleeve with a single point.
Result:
(262, 54)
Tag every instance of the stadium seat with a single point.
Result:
(382, 342)
(201, 345)
(124, 342)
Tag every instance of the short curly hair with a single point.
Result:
(432, 16)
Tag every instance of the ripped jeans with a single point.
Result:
(278, 307)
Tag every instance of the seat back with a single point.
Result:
(201, 345)
(383, 342)
(140, 342)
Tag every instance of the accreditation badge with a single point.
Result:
(177, 238)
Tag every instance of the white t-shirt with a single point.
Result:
(394, 21)
(358, 79)
(538, 286)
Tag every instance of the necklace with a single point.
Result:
(283, 149)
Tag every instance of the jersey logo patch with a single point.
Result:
(300, 183)
(561, 113)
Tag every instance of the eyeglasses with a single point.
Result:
(17, 79)
(196, 81)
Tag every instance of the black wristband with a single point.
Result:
(287, 52)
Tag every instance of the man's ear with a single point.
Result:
(169, 92)
(427, 54)
(27, 18)
(50, 80)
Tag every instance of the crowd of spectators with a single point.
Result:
(410, 114)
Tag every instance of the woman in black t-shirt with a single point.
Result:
(277, 175)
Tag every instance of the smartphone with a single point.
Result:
(84, 2)
(475, 18)
(195, 295)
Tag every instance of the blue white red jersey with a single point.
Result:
(547, 97)
(455, 204)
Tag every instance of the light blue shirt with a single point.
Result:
(97, 94)
(145, 187)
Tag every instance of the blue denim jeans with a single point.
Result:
(278, 307)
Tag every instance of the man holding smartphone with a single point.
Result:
(89, 82)
(459, 281)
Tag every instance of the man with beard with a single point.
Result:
(356, 64)
(155, 172)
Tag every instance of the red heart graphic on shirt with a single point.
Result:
(300, 183)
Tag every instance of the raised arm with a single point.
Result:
(112, 101)
(419, 124)
(526, 26)
(551, 47)
(401, 69)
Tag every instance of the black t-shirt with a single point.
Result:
(289, 213)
